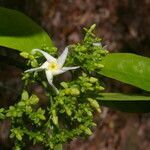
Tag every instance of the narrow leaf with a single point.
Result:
(126, 103)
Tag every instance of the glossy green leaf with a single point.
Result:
(128, 68)
(126, 103)
(19, 32)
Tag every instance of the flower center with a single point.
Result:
(53, 66)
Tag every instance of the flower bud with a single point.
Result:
(68, 111)
(25, 95)
(86, 129)
(93, 80)
(64, 85)
(100, 88)
(94, 104)
(55, 117)
(74, 91)
(99, 65)
(34, 63)
(24, 54)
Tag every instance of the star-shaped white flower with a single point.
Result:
(53, 66)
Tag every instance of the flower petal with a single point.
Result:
(58, 72)
(97, 44)
(70, 68)
(61, 59)
(34, 69)
(45, 65)
(64, 69)
(48, 57)
(49, 77)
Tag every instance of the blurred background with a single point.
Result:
(124, 26)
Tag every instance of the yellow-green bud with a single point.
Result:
(99, 65)
(92, 27)
(28, 109)
(31, 57)
(41, 116)
(24, 95)
(21, 103)
(93, 80)
(74, 91)
(17, 148)
(86, 129)
(100, 88)
(19, 137)
(64, 84)
(68, 111)
(67, 91)
(25, 76)
(55, 117)
(34, 63)
(94, 104)
(89, 113)
(34, 99)
(55, 120)
(87, 84)
(24, 54)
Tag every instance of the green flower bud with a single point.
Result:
(92, 27)
(2, 110)
(19, 137)
(28, 109)
(86, 129)
(64, 85)
(34, 99)
(89, 113)
(24, 54)
(99, 65)
(94, 104)
(67, 91)
(25, 76)
(21, 104)
(74, 91)
(17, 147)
(54, 117)
(68, 111)
(31, 57)
(88, 85)
(25, 95)
(93, 80)
(2, 116)
(55, 120)
(34, 63)
(41, 117)
(100, 88)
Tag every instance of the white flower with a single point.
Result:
(53, 66)
(100, 45)
(97, 44)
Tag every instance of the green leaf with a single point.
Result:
(126, 103)
(19, 32)
(128, 68)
